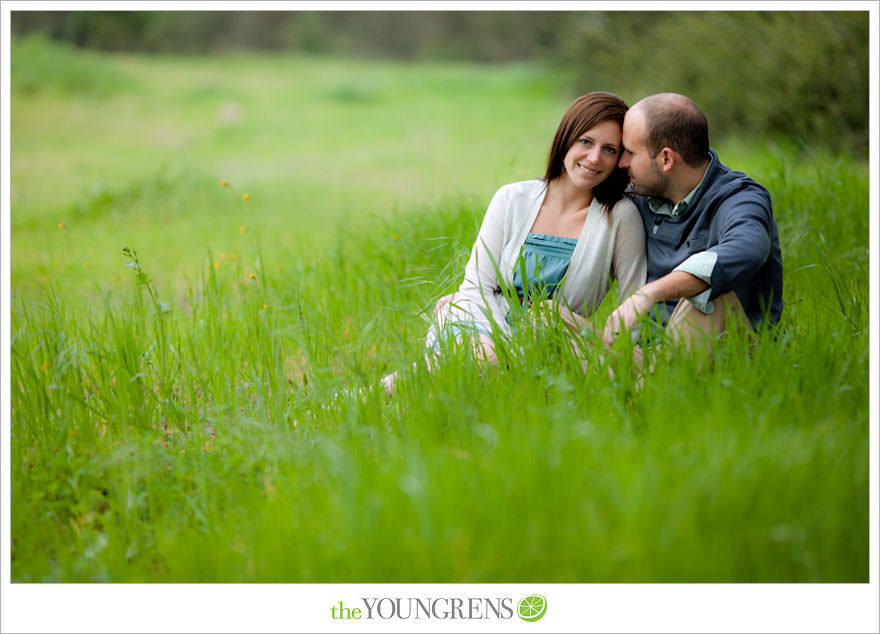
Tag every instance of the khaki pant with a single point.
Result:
(697, 330)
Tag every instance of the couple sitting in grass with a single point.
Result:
(631, 194)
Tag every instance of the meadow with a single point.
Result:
(190, 410)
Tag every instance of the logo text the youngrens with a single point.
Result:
(440, 608)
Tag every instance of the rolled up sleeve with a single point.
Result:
(701, 265)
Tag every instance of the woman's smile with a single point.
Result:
(592, 158)
(589, 170)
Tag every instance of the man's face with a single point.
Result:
(644, 172)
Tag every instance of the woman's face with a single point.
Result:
(594, 155)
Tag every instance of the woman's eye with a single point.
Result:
(611, 150)
(586, 141)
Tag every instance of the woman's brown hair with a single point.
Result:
(586, 112)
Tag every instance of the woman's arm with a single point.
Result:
(629, 260)
(475, 301)
(442, 302)
(480, 273)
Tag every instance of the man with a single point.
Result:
(712, 243)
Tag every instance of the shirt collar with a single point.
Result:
(664, 206)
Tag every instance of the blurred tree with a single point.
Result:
(802, 75)
(469, 35)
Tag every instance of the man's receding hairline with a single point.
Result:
(673, 120)
(651, 104)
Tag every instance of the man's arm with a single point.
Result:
(675, 285)
(745, 220)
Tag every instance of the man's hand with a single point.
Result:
(626, 315)
(674, 285)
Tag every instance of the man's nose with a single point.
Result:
(623, 163)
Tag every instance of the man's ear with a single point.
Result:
(668, 158)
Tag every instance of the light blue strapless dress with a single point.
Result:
(542, 265)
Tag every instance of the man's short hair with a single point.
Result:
(676, 122)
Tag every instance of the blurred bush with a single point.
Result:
(798, 75)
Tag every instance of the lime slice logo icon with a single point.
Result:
(532, 607)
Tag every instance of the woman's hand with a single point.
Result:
(442, 302)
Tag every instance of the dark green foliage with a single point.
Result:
(467, 35)
(801, 75)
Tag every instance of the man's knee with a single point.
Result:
(691, 326)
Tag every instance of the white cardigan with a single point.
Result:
(604, 250)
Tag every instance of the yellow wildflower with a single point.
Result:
(246, 196)
(223, 183)
(243, 228)
(62, 226)
(252, 275)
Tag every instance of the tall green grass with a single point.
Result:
(211, 417)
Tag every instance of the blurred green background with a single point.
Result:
(798, 74)
(330, 119)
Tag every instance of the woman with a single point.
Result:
(558, 237)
